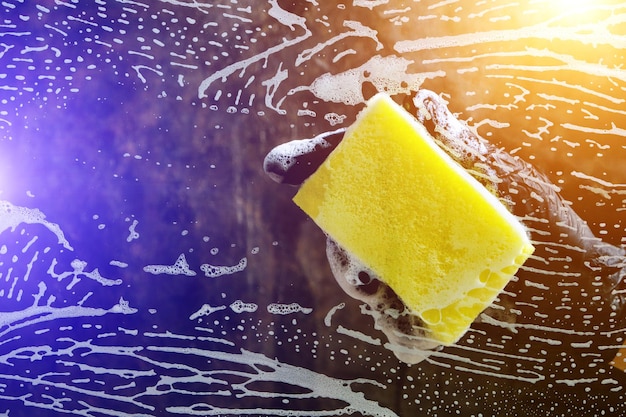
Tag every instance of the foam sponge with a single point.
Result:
(396, 201)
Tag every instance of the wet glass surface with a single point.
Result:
(149, 266)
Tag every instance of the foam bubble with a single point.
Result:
(11, 216)
(294, 161)
(214, 271)
(180, 267)
(241, 307)
(388, 74)
(408, 337)
(284, 309)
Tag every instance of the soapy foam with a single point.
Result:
(389, 74)
(408, 338)
(285, 156)
(285, 309)
(287, 163)
(11, 216)
(455, 137)
(180, 267)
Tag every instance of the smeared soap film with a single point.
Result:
(161, 112)
(130, 363)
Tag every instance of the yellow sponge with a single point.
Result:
(397, 202)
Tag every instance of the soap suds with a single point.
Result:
(290, 162)
(409, 339)
(284, 309)
(213, 271)
(11, 216)
(180, 267)
(389, 74)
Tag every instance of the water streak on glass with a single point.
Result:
(149, 266)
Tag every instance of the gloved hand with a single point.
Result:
(569, 288)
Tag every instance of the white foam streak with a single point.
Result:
(388, 73)
(285, 309)
(542, 31)
(180, 267)
(36, 314)
(12, 216)
(357, 29)
(263, 369)
(214, 271)
(283, 17)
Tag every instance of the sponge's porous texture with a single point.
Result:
(395, 200)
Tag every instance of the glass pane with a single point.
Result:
(149, 265)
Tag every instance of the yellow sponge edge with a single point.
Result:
(391, 197)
